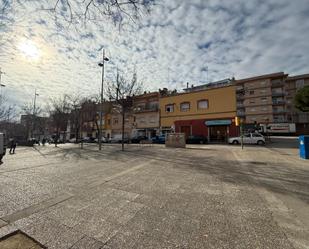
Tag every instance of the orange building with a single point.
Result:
(209, 112)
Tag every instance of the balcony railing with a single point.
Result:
(240, 90)
(279, 111)
(278, 102)
(146, 109)
(277, 94)
(277, 83)
(240, 96)
(241, 114)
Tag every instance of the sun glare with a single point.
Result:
(29, 49)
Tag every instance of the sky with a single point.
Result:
(179, 41)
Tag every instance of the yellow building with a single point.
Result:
(208, 112)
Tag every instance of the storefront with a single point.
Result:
(218, 130)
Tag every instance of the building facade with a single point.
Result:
(262, 99)
(268, 99)
(146, 117)
(301, 119)
(210, 113)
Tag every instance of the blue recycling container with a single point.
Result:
(304, 147)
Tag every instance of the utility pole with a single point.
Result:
(33, 113)
(101, 64)
(1, 85)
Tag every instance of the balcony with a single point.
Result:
(240, 105)
(277, 83)
(241, 114)
(278, 102)
(146, 109)
(240, 96)
(277, 94)
(240, 90)
(279, 112)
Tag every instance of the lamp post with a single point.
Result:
(33, 113)
(1, 85)
(101, 64)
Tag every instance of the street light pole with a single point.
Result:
(101, 64)
(33, 113)
(1, 85)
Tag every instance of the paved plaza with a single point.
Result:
(205, 196)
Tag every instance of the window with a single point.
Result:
(185, 106)
(251, 92)
(202, 104)
(263, 83)
(109, 122)
(300, 83)
(252, 102)
(264, 99)
(115, 121)
(256, 135)
(169, 108)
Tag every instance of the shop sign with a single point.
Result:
(218, 122)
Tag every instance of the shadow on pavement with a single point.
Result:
(276, 177)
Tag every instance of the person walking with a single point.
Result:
(12, 146)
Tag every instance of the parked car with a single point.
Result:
(104, 140)
(137, 140)
(86, 139)
(250, 138)
(196, 139)
(72, 140)
(118, 139)
(158, 139)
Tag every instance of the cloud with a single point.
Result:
(171, 46)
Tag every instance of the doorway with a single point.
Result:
(186, 130)
(218, 133)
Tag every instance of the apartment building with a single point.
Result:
(301, 119)
(146, 116)
(262, 99)
(208, 112)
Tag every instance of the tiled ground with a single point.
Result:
(151, 197)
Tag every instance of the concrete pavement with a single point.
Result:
(211, 196)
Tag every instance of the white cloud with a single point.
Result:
(169, 47)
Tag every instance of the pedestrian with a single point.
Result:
(12, 146)
(43, 141)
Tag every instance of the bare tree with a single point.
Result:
(59, 111)
(118, 11)
(31, 119)
(121, 94)
(7, 111)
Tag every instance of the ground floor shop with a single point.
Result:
(146, 132)
(216, 130)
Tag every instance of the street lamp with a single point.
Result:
(101, 64)
(1, 85)
(33, 113)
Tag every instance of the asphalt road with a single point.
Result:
(208, 196)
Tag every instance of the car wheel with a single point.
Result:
(201, 142)
(235, 142)
(260, 142)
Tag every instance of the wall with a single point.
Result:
(221, 104)
(199, 128)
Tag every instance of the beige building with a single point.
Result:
(293, 84)
(142, 120)
(146, 115)
(262, 99)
